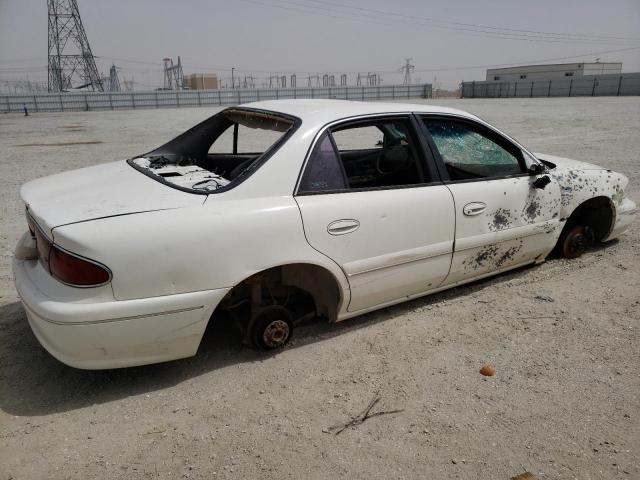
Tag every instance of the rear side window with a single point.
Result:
(368, 155)
(324, 170)
(469, 152)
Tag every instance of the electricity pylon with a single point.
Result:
(71, 62)
(407, 68)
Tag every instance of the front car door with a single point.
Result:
(502, 219)
(371, 203)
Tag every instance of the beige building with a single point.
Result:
(201, 81)
(549, 72)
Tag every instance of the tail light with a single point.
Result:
(66, 266)
(76, 271)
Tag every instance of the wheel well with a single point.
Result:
(597, 213)
(305, 285)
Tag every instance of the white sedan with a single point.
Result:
(280, 210)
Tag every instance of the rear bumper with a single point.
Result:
(625, 214)
(110, 333)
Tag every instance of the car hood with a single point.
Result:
(100, 191)
(567, 163)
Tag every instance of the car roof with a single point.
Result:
(325, 110)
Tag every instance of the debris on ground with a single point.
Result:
(544, 298)
(488, 370)
(360, 418)
(525, 476)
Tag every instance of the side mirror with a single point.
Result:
(536, 169)
(541, 182)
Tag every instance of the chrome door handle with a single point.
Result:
(474, 208)
(342, 227)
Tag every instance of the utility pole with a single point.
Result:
(71, 62)
(233, 82)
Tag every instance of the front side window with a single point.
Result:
(469, 152)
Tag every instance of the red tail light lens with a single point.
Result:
(76, 271)
(43, 244)
(65, 266)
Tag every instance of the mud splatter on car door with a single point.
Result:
(520, 224)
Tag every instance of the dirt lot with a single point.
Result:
(564, 403)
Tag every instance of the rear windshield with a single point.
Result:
(219, 152)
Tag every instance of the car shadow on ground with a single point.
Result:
(34, 383)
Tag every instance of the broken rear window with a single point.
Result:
(219, 152)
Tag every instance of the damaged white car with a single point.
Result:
(281, 210)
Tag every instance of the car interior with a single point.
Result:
(217, 151)
(390, 161)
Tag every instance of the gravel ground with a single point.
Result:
(563, 336)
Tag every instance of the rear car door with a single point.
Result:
(502, 219)
(371, 203)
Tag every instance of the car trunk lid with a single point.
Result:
(100, 191)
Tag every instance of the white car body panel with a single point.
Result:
(99, 191)
(396, 251)
(519, 223)
(174, 255)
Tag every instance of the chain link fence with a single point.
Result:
(591, 86)
(86, 101)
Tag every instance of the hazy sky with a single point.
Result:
(283, 36)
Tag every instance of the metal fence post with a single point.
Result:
(9, 108)
(61, 104)
(133, 101)
(593, 89)
(473, 89)
(219, 98)
(35, 102)
(177, 98)
(570, 86)
(549, 91)
(362, 93)
(618, 94)
(515, 89)
(199, 101)
(110, 102)
(238, 91)
(378, 92)
(531, 92)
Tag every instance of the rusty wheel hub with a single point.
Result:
(276, 333)
(575, 243)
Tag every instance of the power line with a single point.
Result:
(488, 27)
(318, 11)
(438, 69)
(527, 62)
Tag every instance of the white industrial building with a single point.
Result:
(551, 72)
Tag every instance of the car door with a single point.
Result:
(371, 203)
(503, 217)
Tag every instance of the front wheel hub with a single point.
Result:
(576, 242)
